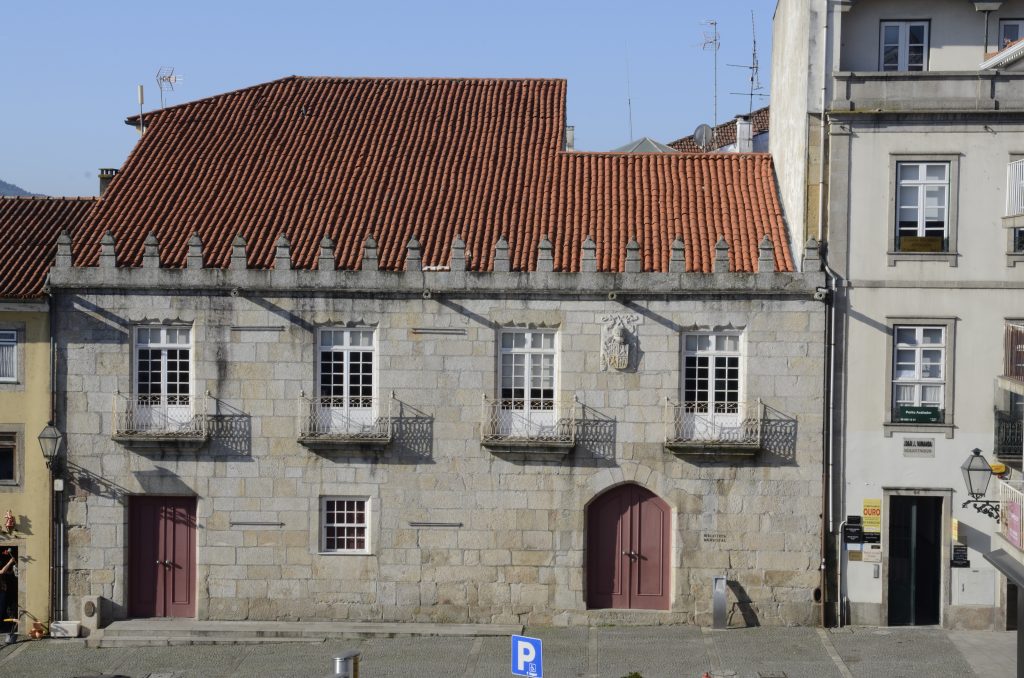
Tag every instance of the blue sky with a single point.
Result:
(72, 68)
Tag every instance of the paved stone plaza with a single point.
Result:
(605, 652)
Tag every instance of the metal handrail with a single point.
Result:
(542, 421)
(346, 417)
(736, 423)
(1011, 511)
(182, 416)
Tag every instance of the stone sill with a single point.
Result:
(704, 449)
(948, 257)
(524, 446)
(146, 440)
(1013, 221)
(340, 442)
(890, 427)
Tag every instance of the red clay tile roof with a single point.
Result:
(725, 134)
(344, 157)
(29, 227)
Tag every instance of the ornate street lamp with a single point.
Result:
(49, 442)
(977, 475)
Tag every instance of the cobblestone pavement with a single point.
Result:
(596, 652)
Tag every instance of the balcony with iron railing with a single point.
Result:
(538, 423)
(158, 419)
(723, 428)
(1008, 443)
(345, 421)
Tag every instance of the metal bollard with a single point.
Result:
(346, 665)
(718, 601)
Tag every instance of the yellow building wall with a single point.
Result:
(25, 409)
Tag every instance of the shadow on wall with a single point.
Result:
(778, 438)
(744, 605)
(413, 436)
(595, 438)
(230, 431)
(84, 480)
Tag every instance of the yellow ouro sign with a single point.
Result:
(872, 515)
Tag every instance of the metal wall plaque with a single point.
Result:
(959, 556)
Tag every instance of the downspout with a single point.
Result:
(56, 503)
(828, 495)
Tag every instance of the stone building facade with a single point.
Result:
(457, 514)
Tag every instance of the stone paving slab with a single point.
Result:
(575, 652)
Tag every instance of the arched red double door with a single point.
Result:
(628, 550)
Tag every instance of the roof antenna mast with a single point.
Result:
(629, 96)
(755, 70)
(712, 42)
(166, 79)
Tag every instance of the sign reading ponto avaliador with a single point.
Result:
(527, 657)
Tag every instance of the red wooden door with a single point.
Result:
(628, 554)
(162, 562)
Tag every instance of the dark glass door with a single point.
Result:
(915, 560)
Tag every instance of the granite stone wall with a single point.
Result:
(516, 550)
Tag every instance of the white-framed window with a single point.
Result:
(528, 370)
(904, 46)
(162, 380)
(1010, 31)
(922, 206)
(712, 372)
(345, 382)
(919, 373)
(345, 374)
(8, 356)
(8, 458)
(345, 524)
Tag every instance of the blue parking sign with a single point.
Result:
(527, 659)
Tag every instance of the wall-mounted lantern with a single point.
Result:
(977, 475)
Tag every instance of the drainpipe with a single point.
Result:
(57, 612)
(829, 495)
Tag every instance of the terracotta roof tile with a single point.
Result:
(342, 157)
(29, 227)
(725, 134)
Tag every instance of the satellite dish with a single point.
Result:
(704, 137)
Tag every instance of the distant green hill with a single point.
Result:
(11, 189)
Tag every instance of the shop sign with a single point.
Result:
(919, 447)
(916, 414)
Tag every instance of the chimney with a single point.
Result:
(744, 135)
(106, 174)
(570, 138)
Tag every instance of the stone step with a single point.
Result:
(186, 632)
(197, 640)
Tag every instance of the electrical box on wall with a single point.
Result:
(974, 587)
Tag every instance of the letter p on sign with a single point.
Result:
(527, 658)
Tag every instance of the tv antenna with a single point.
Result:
(629, 95)
(755, 70)
(166, 79)
(712, 42)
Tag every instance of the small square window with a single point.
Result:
(345, 525)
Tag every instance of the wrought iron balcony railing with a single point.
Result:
(734, 426)
(155, 417)
(1008, 443)
(543, 423)
(345, 419)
